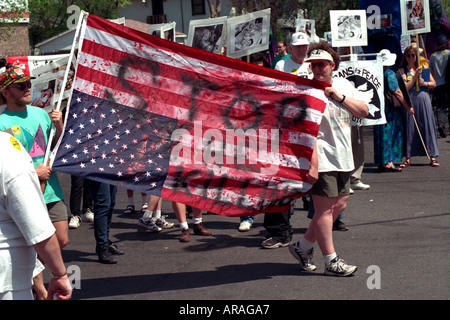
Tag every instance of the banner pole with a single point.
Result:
(47, 160)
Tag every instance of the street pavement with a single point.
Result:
(398, 237)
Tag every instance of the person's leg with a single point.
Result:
(199, 228)
(180, 212)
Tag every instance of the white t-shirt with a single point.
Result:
(24, 220)
(289, 66)
(334, 140)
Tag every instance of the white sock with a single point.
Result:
(305, 244)
(329, 257)
(184, 225)
(197, 220)
(157, 214)
(147, 214)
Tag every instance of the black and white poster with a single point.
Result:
(207, 34)
(367, 77)
(348, 28)
(248, 33)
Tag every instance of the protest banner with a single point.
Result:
(190, 126)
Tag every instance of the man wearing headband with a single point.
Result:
(331, 163)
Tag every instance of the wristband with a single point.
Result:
(54, 276)
(342, 99)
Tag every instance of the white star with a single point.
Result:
(102, 115)
(106, 141)
(74, 156)
(81, 126)
(153, 184)
(67, 146)
(136, 179)
(82, 165)
(119, 174)
(113, 111)
(92, 160)
(70, 131)
(89, 136)
(85, 110)
(148, 174)
(127, 131)
(64, 160)
(111, 165)
(103, 156)
(117, 137)
(92, 121)
(132, 156)
(74, 115)
(78, 99)
(85, 151)
(99, 131)
(101, 169)
(78, 141)
(95, 147)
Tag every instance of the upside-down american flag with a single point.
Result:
(189, 126)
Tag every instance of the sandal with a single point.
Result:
(129, 209)
(405, 163)
(434, 163)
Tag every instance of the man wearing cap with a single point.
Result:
(331, 163)
(295, 63)
(32, 127)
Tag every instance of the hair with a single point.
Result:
(407, 51)
(323, 45)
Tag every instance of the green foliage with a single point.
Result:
(49, 17)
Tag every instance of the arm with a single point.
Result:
(313, 173)
(399, 96)
(356, 107)
(57, 120)
(429, 84)
(50, 252)
(411, 83)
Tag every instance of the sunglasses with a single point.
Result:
(22, 86)
(410, 55)
(319, 65)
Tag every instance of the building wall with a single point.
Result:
(18, 44)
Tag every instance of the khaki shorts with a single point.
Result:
(332, 184)
(57, 211)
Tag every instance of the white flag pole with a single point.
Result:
(47, 160)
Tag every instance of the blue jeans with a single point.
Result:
(103, 196)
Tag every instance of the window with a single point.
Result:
(198, 7)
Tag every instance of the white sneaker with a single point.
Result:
(244, 226)
(148, 224)
(339, 268)
(162, 223)
(74, 222)
(305, 258)
(88, 215)
(359, 186)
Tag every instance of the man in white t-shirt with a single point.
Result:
(295, 64)
(25, 227)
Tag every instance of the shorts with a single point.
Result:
(57, 211)
(332, 184)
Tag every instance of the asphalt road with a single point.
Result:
(398, 237)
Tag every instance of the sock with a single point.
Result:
(329, 257)
(197, 220)
(131, 201)
(147, 214)
(157, 214)
(305, 244)
(184, 225)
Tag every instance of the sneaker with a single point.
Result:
(185, 236)
(272, 243)
(88, 215)
(245, 226)
(200, 230)
(106, 256)
(149, 225)
(305, 258)
(162, 223)
(442, 132)
(338, 225)
(114, 249)
(339, 268)
(74, 222)
(359, 186)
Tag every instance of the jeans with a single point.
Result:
(278, 225)
(79, 194)
(103, 196)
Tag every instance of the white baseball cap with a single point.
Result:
(299, 39)
(319, 54)
(388, 58)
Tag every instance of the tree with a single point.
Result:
(49, 17)
(11, 12)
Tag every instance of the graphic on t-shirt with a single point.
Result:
(39, 146)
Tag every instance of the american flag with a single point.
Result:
(190, 126)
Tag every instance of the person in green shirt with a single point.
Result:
(281, 53)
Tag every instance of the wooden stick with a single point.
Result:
(420, 135)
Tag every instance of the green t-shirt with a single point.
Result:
(32, 128)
